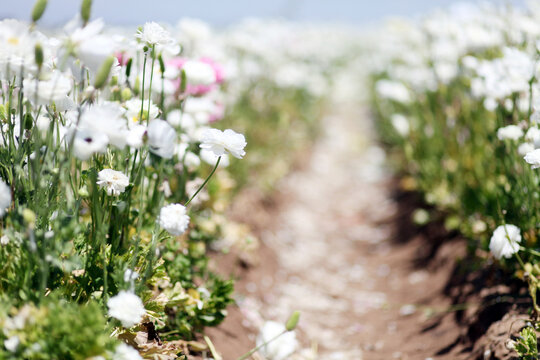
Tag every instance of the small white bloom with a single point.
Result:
(161, 138)
(126, 352)
(510, 132)
(505, 241)
(154, 34)
(174, 219)
(5, 198)
(12, 343)
(126, 307)
(533, 158)
(533, 136)
(220, 142)
(113, 181)
(281, 348)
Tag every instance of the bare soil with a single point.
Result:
(338, 244)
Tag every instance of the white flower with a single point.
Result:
(133, 111)
(5, 198)
(210, 158)
(126, 307)
(113, 181)
(525, 148)
(174, 219)
(130, 275)
(126, 352)
(54, 88)
(393, 90)
(88, 142)
(505, 241)
(401, 124)
(281, 348)
(199, 73)
(533, 158)
(12, 343)
(510, 132)
(161, 138)
(220, 142)
(533, 135)
(154, 34)
(135, 136)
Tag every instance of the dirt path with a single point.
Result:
(335, 252)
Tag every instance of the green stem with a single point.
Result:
(205, 181)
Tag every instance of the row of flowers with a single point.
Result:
(457, 96)
(117, 163)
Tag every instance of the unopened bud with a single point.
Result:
(293, 321)
(103, 73)
(29, 217)
(86, 8)
(126, 94)
(38, 54)
(38, 10)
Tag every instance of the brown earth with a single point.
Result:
(338, 244)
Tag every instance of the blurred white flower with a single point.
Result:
(126, 352)
(126, 307)
(161, 138)
(133, 111)
(510, 132)
(54, 88)
(154, 34)
(199, 73)
(209, 157)
(525, 148)
(87, 142)
(393, 90)
(505, 241)
(5, 198)
(220, 142)
(174, 219)
(533, 158)
(114, 182)
(281, 348)
(135, 136)
(107, 118)
(401, 124)
(533, 135)
(12, 343)
(130, 275)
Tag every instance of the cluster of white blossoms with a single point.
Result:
(174, 219)
(114, 182)
(126, 307)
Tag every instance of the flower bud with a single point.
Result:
(29, 217)
(38, 55)
(126, 94)
(103, 73)
(161, 64)
(38, 10)
(86, 8)
(293, 321)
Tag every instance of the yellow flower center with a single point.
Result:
(13, 41)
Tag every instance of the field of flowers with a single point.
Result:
(120, 152)
(456, 96)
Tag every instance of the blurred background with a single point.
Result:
(222, 13)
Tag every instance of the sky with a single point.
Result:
(225, 12)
